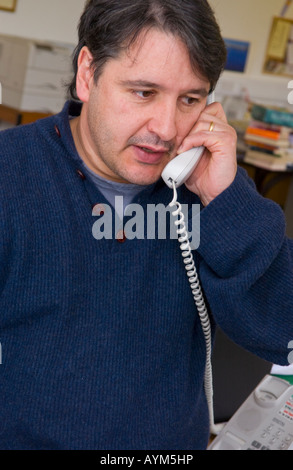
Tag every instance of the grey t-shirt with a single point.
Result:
(112, 190)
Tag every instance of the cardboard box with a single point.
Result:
(33, 74)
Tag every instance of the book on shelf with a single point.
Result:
(268, 136)
(268, 139)
(252, 139)
(272, 131)
(281, 162)
(272, 116)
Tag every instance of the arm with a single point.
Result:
(246, 261)
(247, 269)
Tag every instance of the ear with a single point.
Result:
(84, 76)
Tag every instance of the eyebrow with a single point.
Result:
(146, 84)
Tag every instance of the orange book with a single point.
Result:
(270, 134)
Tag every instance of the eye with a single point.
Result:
(144, 94)
(190, 100)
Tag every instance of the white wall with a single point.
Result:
(43, 19)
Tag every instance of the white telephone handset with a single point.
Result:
(181, 167)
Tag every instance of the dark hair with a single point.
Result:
(107, 27)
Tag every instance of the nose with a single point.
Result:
(163, 121)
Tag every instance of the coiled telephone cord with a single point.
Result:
(199, 302)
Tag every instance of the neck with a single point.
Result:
(87, 154)
(77, 137)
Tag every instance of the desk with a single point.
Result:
(17, 117)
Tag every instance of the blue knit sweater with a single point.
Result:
(101, 343)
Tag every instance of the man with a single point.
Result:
(102, 347)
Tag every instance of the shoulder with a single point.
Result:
(20, 149)
(22, 139)
(27, 138)
(32, 143)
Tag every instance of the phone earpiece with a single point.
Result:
(181, 167)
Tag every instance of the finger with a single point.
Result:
(208, 133)
(216, 110)
(209, 123)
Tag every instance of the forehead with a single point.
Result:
(157, 55)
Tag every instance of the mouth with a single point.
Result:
(150, 155)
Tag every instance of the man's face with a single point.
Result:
(143, 106)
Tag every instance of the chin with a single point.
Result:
(142, 178)
(145, 181)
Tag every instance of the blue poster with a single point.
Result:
(237, 52)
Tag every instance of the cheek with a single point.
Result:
(127, 122)
(187, 124)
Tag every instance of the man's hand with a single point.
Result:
(218, 165)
